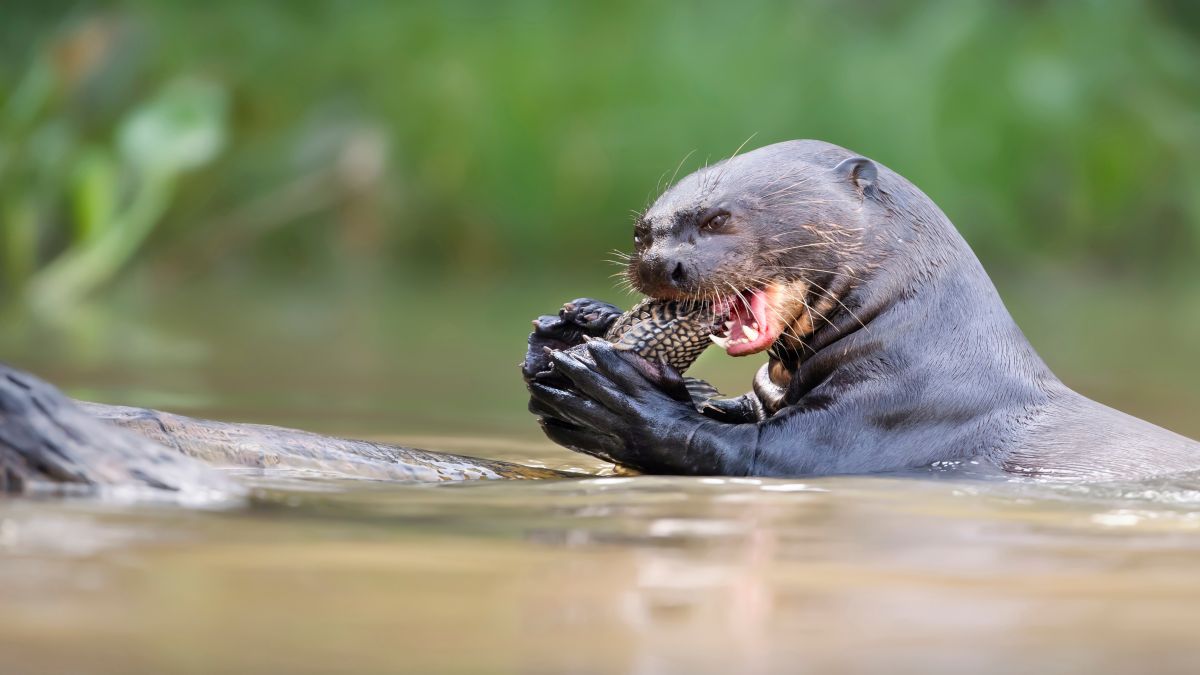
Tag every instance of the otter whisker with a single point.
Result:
(794, 191)
(777, 251)
(739, 148)
(791, 295)
(799, 340)
(625, 287)
(781, 176)
(802, 181)
(728, 162)
(787, 331)
(813, 269)
(705, 184)
(809, 308)
(738, 293)
(788, 293)
(679, 166)
(780, 191)
(809, 200)
(839, 228)
(829, 294)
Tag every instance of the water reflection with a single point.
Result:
(614, 574)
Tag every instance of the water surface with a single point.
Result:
(611, 575)
(607, 574)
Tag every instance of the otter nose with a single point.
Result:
(678, 274)
(664, 274)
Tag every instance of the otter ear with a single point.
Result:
(858, 171)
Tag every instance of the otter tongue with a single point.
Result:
(751, 328)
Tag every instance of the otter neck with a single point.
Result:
(942, 297)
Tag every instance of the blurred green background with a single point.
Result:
(341, 215)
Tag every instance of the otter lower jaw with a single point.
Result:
(755, 320)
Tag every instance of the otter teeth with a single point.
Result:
(750, 332)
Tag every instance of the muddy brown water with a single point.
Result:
(605, 574)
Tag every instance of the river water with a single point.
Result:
(597, 575)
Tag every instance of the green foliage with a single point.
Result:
(180, 129)
(471, 138)
(92, 205)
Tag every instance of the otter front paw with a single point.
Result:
(593, 317)
(579, 318)
(608, 408)
(745, 409)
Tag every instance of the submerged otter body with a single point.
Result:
(890, 348)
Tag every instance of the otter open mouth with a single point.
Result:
(753, 324)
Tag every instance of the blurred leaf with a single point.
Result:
(18, 243)
(182, 128)
(93, 193)
(29, 97)
(81, 269)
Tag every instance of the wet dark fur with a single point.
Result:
(52, 445)
(48, 444)
(912, 359)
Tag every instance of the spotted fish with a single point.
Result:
(673, 332)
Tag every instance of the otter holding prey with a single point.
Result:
(889, 347)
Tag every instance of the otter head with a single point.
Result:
(771, 237)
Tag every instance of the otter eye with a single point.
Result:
(716, 221)
(641, 234)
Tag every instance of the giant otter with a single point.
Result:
(889, 347)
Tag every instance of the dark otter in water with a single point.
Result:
(890, 348)
(51, 444)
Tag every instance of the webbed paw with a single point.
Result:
(593, 317)
(744, 409)
(580, 318)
